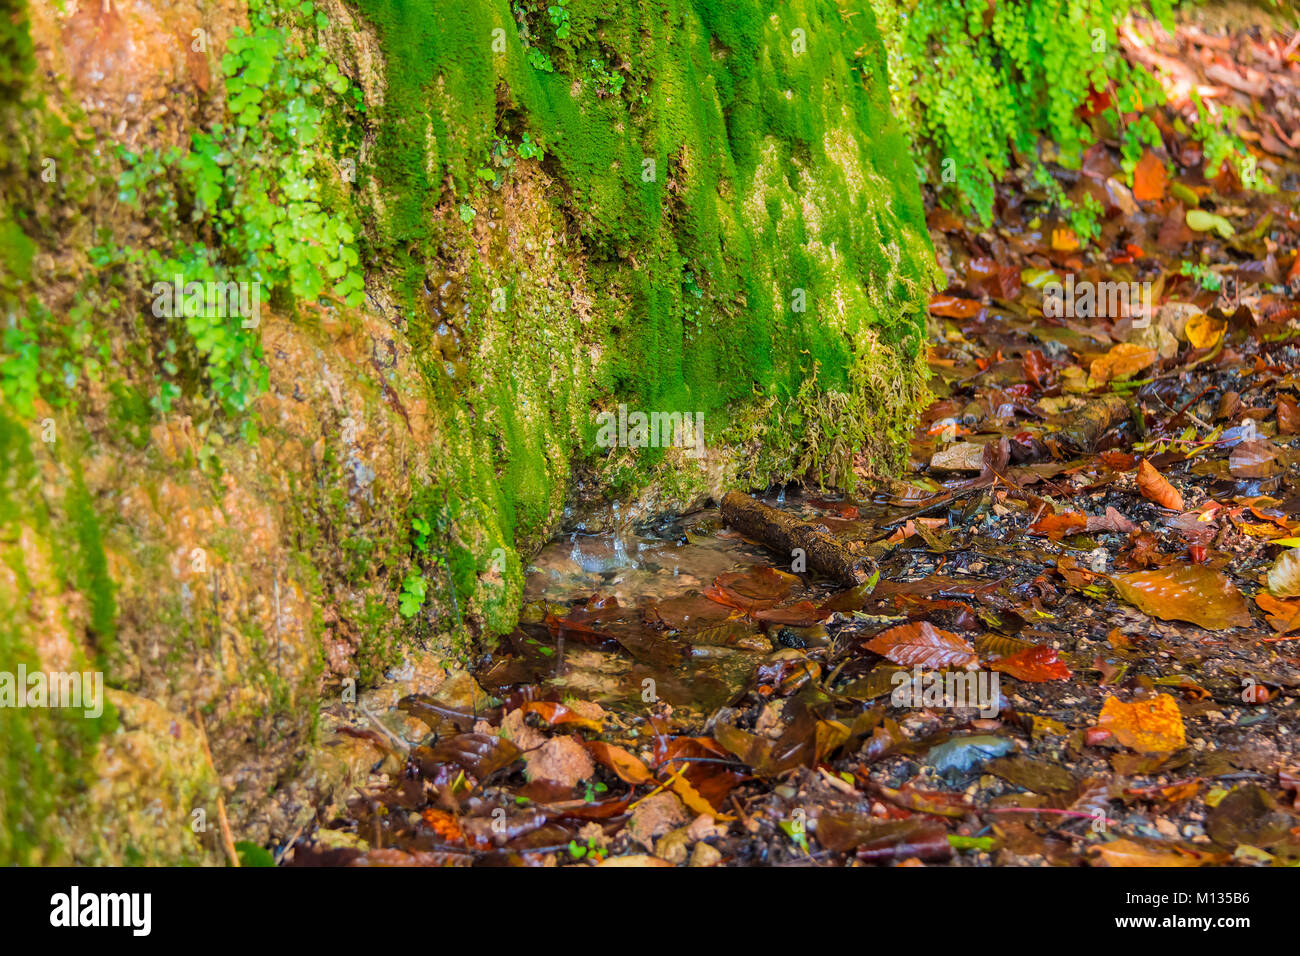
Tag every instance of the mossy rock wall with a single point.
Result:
(477, 226)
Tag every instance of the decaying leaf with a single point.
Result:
(1254, 459)
(1284, 576)
(752, 590)
(1126, 852)
(1150, 726)
(1185, 592)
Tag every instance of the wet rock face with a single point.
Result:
(247, 573)
(136, 67)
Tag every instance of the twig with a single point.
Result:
(398, 742)
(227, 841)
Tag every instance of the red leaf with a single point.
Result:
(924, 644)
(1035, 664)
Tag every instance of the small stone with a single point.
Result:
(654, 817)
(705, 855)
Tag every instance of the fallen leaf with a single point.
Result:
(1125, 852)
(1123, 359)
(1057, 526)
(1250, 815)
(557, 714)
(1288, 416)
(627, 766)
(1064, 240)
(752, 590)
(1151, 726)
(1283, 616)
(1204, 332)
(921, 643)
(1155, 487)
(959, 456)
(803, 614)
(954, 307)
(1284, 576)
(1149, 178)
(1202, 221)
(1185, 592)
(1034, 664)
(1254, 459)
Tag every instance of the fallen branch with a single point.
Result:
(784, 534)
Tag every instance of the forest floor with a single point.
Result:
(1083, 642)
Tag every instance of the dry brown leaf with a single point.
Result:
(1155, 487)
(1284, 576)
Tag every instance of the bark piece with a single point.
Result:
(783, 533)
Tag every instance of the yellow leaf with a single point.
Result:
(1204, 332)
(1124, 359)
(1064, 240)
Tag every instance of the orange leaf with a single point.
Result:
(803, 614)
(1123, 359)
(1064, 240)
(1155, 487)
(954, 307)
(556, 714)
(1034, 664)
(1185, 592)
(1125, 852)
(1288, 416)
(924, 644)
(1152, 726)
(1283, 616)
(1058, 526)
(627, 766)
(1149, 178)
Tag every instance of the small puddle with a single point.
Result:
(621, 618)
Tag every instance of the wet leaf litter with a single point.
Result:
(1069, 635)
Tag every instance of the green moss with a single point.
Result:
(715, 166)
(45, 753)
